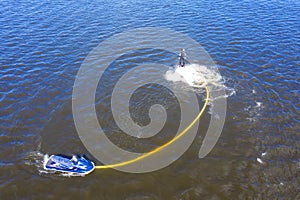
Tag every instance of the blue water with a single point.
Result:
(256, 46)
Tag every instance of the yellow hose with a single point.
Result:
(162, 146)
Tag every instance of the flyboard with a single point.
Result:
(76, 165)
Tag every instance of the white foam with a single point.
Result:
(259, 160)
(258, 104)
(195, 75)
(264, 153)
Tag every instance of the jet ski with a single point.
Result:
(77, 165)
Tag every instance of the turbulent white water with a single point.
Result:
(195, 75)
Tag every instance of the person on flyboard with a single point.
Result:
(182, 58)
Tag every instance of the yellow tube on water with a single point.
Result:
(164, 145)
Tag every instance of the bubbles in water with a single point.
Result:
(37, 159)
(258, 104)
(264, 153)
(198, 76)
(254, 111)
(259, 160)
(195, 75)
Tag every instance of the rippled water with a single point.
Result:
(256, 46)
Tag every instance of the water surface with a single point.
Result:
(256, 46)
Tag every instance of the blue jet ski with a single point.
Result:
(75, 165)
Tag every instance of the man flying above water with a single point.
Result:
(182, 58)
